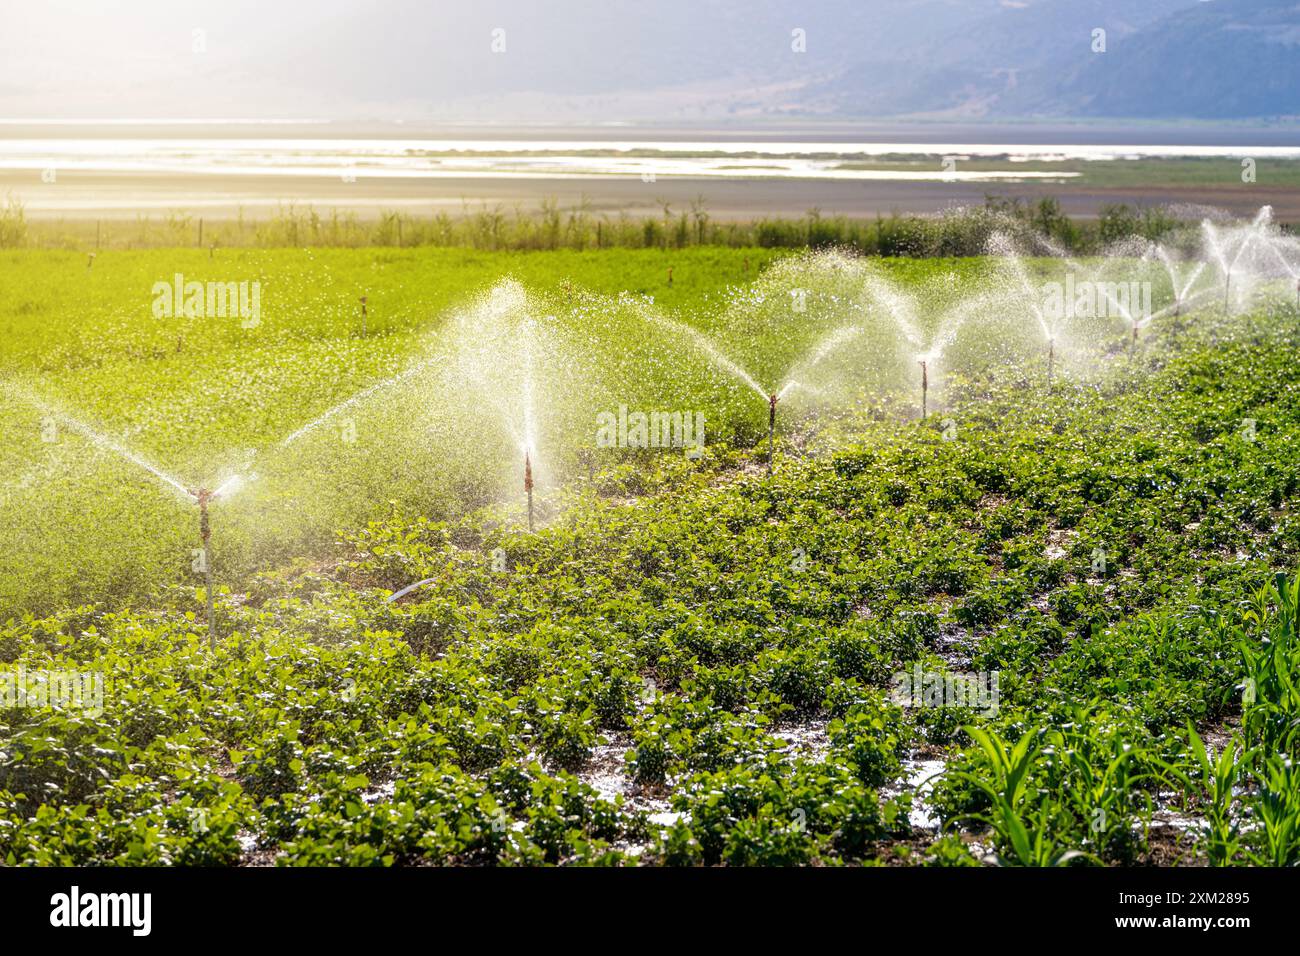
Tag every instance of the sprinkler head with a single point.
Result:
(202, 497)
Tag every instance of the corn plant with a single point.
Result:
(1101, 781)
(1215, 780)
(1022, 820)
(1271, 691)
(1277, 808)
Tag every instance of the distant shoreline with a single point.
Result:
(1046, 131)
(222, 172)
(131, 196)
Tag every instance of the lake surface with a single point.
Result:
(61, 169)
(460, 158)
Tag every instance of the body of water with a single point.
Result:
(570, 158)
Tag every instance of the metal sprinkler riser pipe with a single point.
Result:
(771, 430)
(203, 496)
(205, 523)
(925, 389)
(528, 487)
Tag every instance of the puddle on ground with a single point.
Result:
(606, 774)
(380, 793)
(920, 776)
(953, 647)
(1058, 540)
(807, 739)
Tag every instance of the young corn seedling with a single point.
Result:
(1103, 788)
(1012, 812)
(1271, 689)
(1278, 810)
(1214, 782)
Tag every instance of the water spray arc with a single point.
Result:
(1247, 255)
(203, 497)
(1291, 272)
(826, 347)
(1261, 221)
(354, 400)
(1001, 245)
(1179, 288)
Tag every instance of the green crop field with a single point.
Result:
(199, 398)
(997, 588)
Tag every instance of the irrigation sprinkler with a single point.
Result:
(1051, 361)
(363, 316)
(203, 496)
(528, 487)
(771, 431)
(925, 388)
(90, 263)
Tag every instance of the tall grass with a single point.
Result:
(13, 224)
(962, 232)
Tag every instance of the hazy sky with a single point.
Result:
(568, 61)
(399, 58)
(124, 58)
